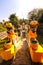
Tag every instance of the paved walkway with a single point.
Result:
(22, 56)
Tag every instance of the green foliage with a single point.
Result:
(14, 19)
(40, 27)
(40, 39)
(40, 15)
(2, 42)
(23, 20)
(36, 14)
(32, 15)
(2, 27)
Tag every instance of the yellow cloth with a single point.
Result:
(8, 54)
(40, 49)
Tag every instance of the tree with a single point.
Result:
(33, 14)
(40, 15)
(14, 19)
(36, 14)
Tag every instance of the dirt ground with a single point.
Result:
(22, 56)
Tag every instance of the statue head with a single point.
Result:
(33, 25)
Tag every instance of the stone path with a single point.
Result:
(22, 56)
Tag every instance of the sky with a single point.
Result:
(20, 7)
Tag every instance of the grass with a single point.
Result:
(2, 27)
(2, 43)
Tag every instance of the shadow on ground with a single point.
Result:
(6, 62)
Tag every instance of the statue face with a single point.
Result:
(33, 25)
(33, 28)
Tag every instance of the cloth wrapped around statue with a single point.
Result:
(32, 34)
